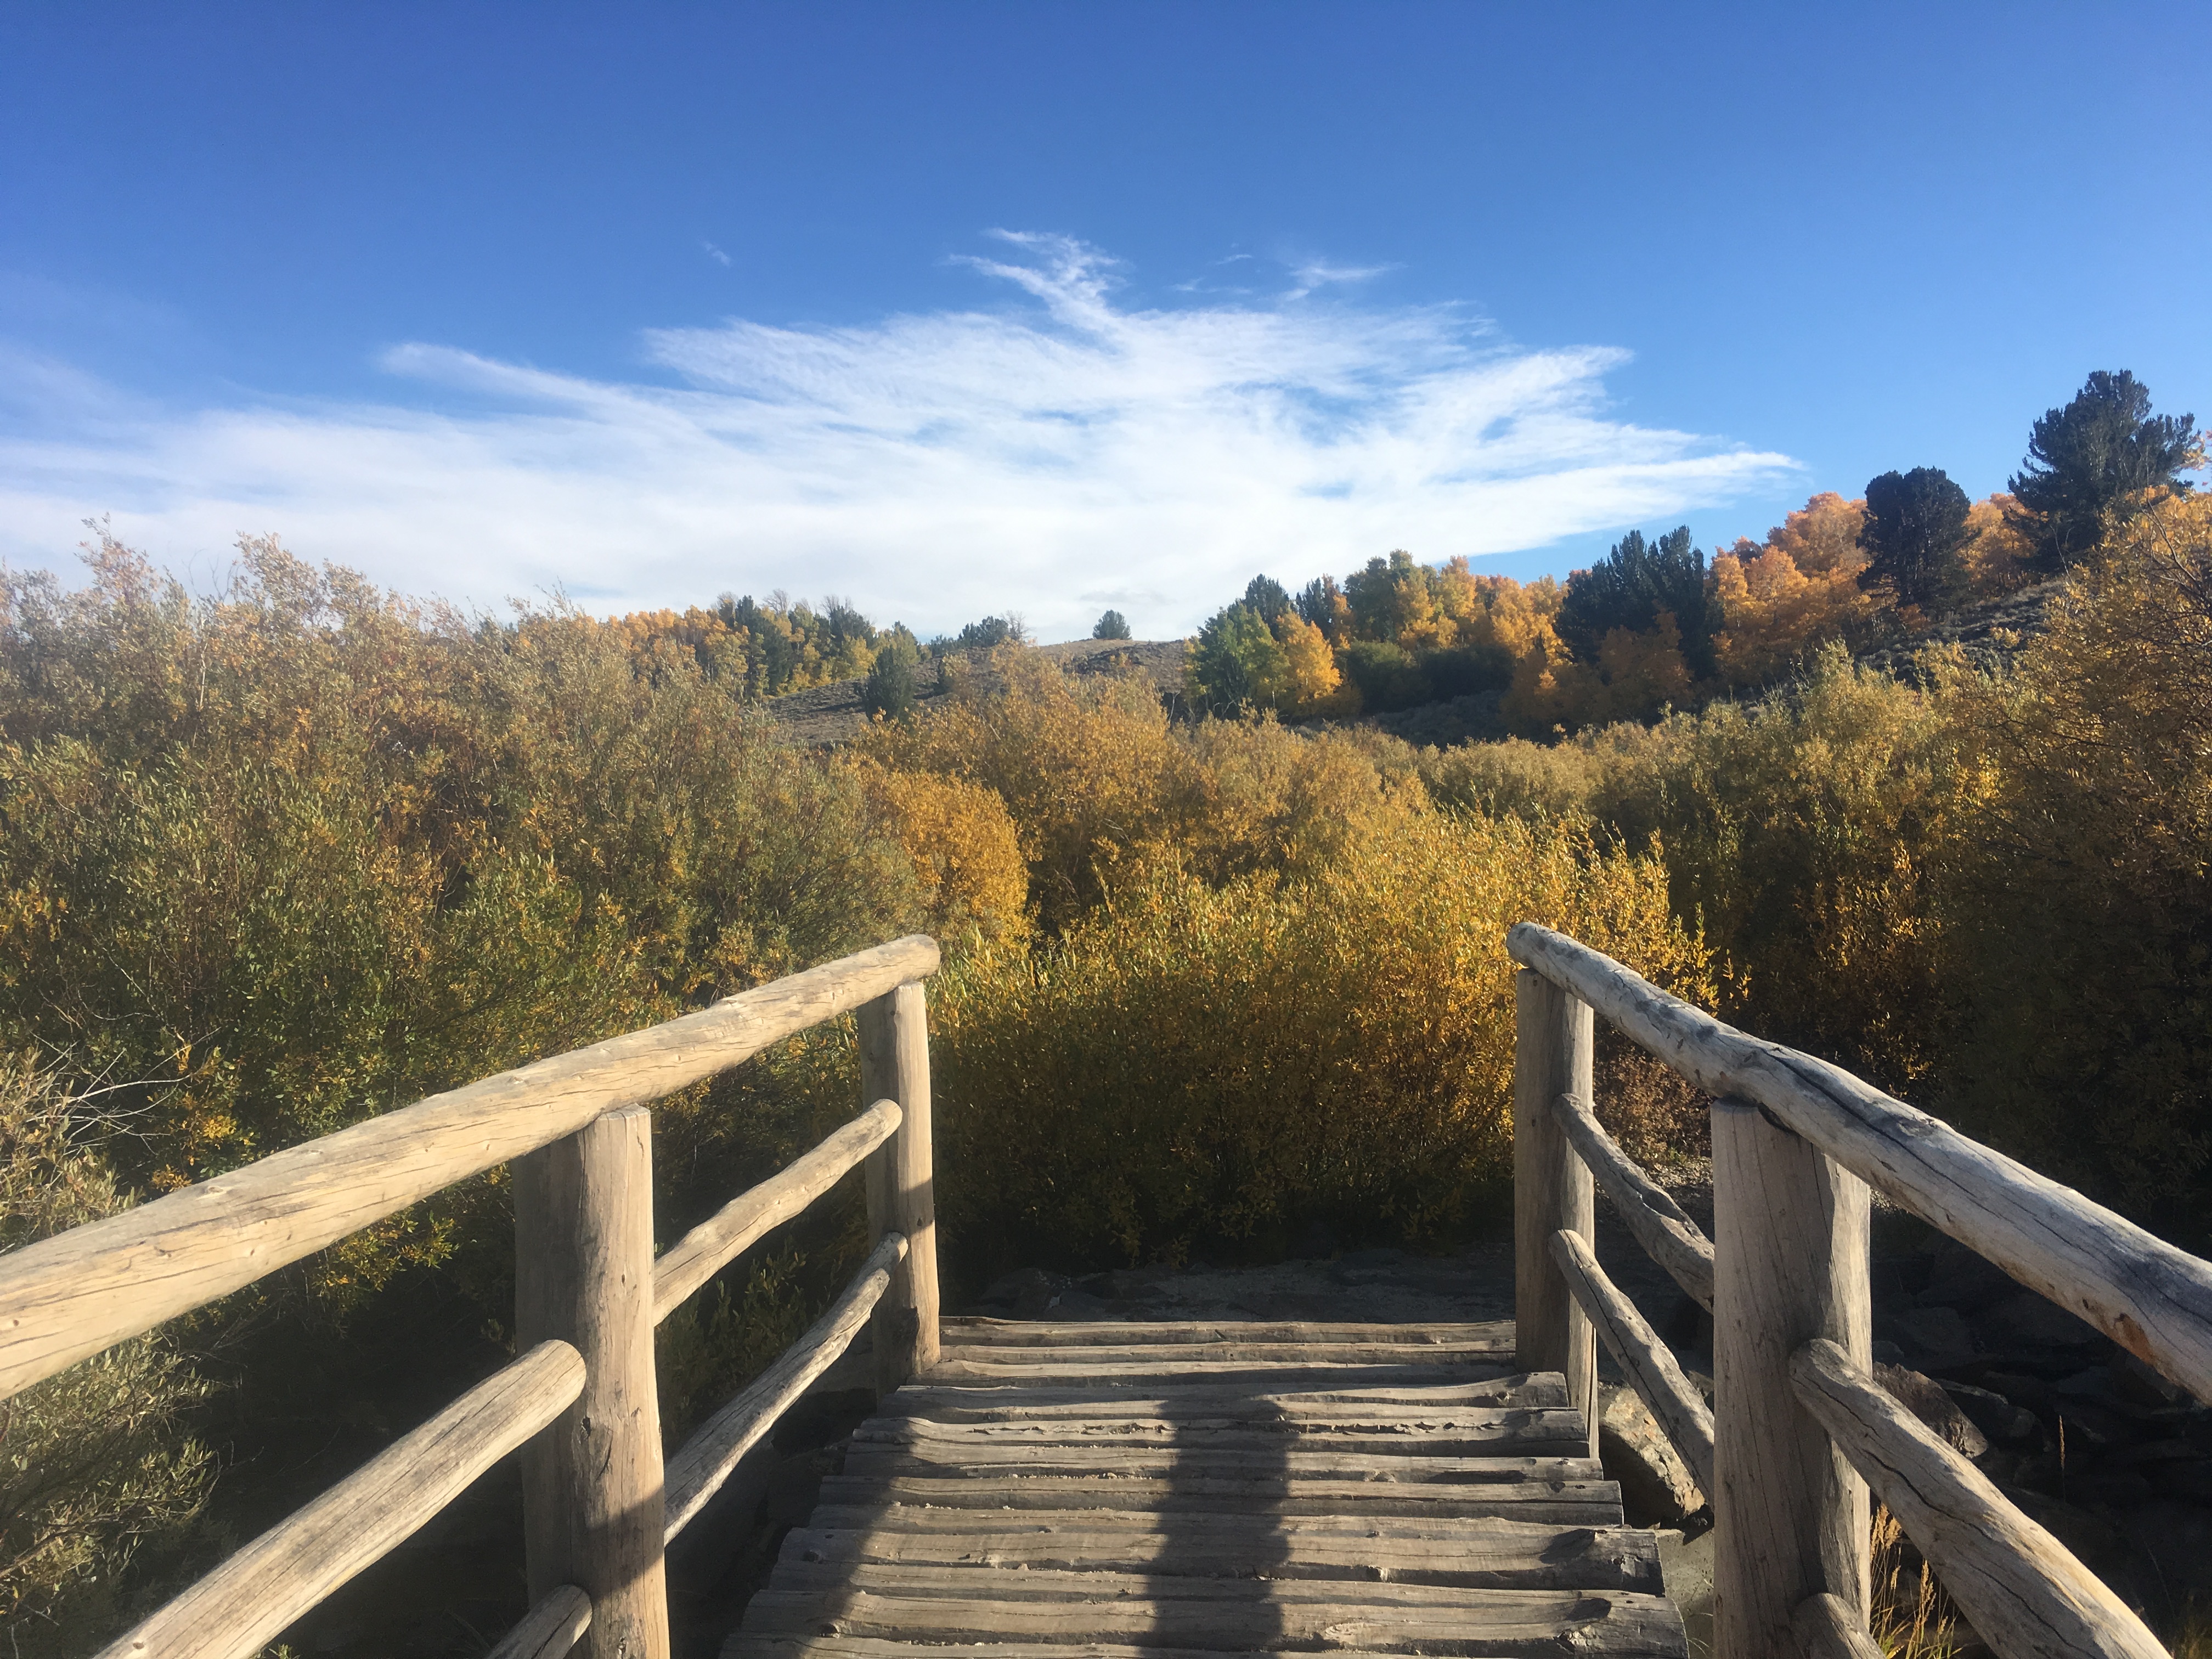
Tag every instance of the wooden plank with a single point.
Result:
(80, 1291)
(1255, 1373)
(549, 1629)
(715, 1243)
(1587, 1501)
(1496, 1333)
(1493, 1553)
(1551, 1189)
(743, 1646)
(2154, 1300)
(1399, 1355)
(246, 1603)
(893, 1033)
(1791, 1514)
(1164, 1462)
(1647, 1362)
(591, 1485)
(697, 1473)
(1475, 1434)
(1659, 1224)
(1256, 1617)
(2022, 1590)
(1321, 1402)
(1826, 1628)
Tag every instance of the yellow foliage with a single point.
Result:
(1822, 537)
(1999, 556)
(1196, 1067)
(1772, 613)
(1314, 685)
(967, 855)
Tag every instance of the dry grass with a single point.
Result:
(1912, 1616)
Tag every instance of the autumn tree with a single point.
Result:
(2102, 454)
(1915, 529)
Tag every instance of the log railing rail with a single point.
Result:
(580, 1402)
(1798, 1430)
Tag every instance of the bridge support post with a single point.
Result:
(1791, 1514)
(591, 1482)
(901, 1180)
(1552, 1187)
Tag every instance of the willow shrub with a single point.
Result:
(1199, 1067)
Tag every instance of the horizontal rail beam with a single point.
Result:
(2023, 1589)
(1668, 1235)
(85, 1290)
(714, 1243)
(548, 1629)
(238, 1608)
(697, 1473)
(2154, 1300)
(1643, 1358)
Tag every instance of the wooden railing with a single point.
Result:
(1798, 1430)
(580, 1402)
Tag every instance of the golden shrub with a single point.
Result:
(1199, 1066)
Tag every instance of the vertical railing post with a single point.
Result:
(1791, 1514)
(901, 1178)
(591, 1482)
(1552, 1187)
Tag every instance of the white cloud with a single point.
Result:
(716, 254)
(1039, 457)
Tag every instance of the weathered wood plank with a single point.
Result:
(1489, 1553)
(869, 1518)
(718, 1241)
(1496, 1333)
(1268, 1616)
(1255, 1373)
(83, 1291)
(1791, 1516)
(246, 1603)
(697, 1473)
(1658, 1223)
(2024, 1591)
(1146, 1462)
(1646, 1361)
(2151, 1298)
(1398, 1355)
(1503, 1433)
(1590, 1503)
(989, 1403)
(743, 1646)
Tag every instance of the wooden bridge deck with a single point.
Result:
(1049, 1491)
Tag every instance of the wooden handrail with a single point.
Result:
(697, 1473)
(2026, 1594)
(716, 1242)
(236, 1610)
(80, 1291)
(549, 1629)
(2152, 1299)
(1668, 1235)
(1677, 1407)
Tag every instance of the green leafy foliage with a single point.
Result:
(1111, 625)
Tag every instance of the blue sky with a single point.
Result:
(959, 307)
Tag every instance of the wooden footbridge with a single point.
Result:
(1157, 1491)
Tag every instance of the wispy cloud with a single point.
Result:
(1041, 456)
(715, 254)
